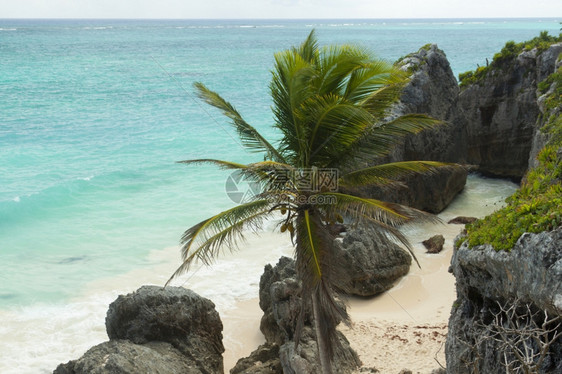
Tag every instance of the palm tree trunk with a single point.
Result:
(325, 360)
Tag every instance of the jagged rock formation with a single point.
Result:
(531, 273)
(281, 303)
(432, 90)
(156, 330)
(502, 111)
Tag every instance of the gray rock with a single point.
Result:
(462, 220)
(264, 360)
(125, 357)
(156, 330)
(531, 273)
(429, 192)
(280, 299)
(303, 359)
(432, 90)
(174, 315)
(502, 113)
(373, 265)
(434, 244)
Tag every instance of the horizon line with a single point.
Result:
(274, 19)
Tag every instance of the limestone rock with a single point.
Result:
(156, 330)
(372, 264)
(531, 273)
(462, 220)
(502, 113)
(264, 360)
(434, 244)
(125, 357)
(432, 90)
(280, 299)
(429, 192)
(174, 315)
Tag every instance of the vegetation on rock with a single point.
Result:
(508, 53)
(536, 206)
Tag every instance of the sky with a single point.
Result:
(188, 9)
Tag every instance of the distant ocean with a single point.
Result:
(93, 116)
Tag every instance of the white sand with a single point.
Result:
(404, 328)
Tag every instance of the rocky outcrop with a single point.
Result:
(156, 330)
(429, 192)
(123, 356)
(531, 274)
(264, 360)
(432, 90)
(373, 264)
(281, 303)
(502, 111)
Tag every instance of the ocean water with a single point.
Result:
(93, 116)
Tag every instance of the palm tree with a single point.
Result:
(330, 107)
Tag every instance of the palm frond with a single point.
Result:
(289, 89)
(381, 139)
(355, 207)
(334, 124)
(391, 173)
(249, 136)
(223, 229)
(408, 124)
(308, 50)
(370, 78)
(220, 163)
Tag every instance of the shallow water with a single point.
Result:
(36, 338)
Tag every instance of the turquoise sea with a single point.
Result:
(93, 116)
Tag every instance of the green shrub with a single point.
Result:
(507, 54)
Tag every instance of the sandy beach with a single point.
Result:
(403, 328)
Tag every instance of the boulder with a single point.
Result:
(280, 299)
(462, 220)
(530, 274)
(429, 192)
(156, 330)
(303, 359)
(434, 244)
(123, 356)
(372, 263)
(264, 360)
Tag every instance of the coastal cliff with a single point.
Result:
(506, 300)
(501, 107)
(508, 266)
